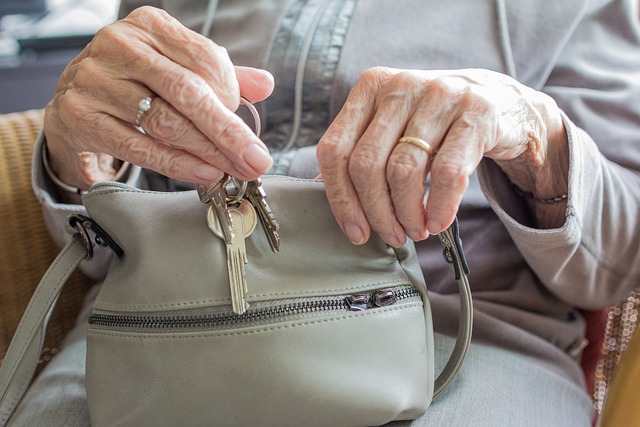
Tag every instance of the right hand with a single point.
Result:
(192, 132)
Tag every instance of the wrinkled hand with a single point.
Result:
(192, 132)
(372, 182)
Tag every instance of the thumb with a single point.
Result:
(255, 84)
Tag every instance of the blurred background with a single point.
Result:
(37, 39)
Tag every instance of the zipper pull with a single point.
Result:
(383, 298)
(358, 302)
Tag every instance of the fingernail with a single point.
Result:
(391, 240)
(434, 227)
(354, 233)
(206, 172)
(417, 235)
(257, 158)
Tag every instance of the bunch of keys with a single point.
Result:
(233, 219)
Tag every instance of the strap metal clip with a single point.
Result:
(452, 249)
(80, 224)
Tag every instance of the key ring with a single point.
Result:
(254, 113)
(239, 184)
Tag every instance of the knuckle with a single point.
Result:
(396, 100)
(370, 75)
(210, 48)
(106, 34)
(448, 175)
(228, 131)
(138, 60)
(190, 91)
(130, 149)
(148, 15)
(402, 168)
(114, 46)
(403, 80)
(375, 74)
(438, 87)
(173, 166)
(84, 74)
(110, 39)
(73, 111)
(340, 202)
(212, 154)
(362, 166)
(328, 151)
(371, 79)
(166, 125)
(202, 47)
(473, 100)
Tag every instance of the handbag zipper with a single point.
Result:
(276, 310)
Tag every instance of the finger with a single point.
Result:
(192, 97)
(408, 165)
(195, 52)
(148, 153)
(333, 153)
(406, 175)
(96, 167)
(161, 122)
(162, 63)
(368, 163)
(457, 158)
(99, 132)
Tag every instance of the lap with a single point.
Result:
(495, 387)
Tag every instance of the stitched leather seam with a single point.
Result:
(321, 292)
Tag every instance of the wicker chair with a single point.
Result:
(27, 250)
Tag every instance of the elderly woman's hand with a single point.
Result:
(192, 133)
(373, 181)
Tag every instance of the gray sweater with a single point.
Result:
(528, 284)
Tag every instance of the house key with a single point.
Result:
(243, 222)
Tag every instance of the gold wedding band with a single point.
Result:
(420, 143)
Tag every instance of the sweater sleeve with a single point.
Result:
(593, 260)
(55, 212)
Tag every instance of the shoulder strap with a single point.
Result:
(22, 356)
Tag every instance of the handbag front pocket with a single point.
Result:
(304, 361)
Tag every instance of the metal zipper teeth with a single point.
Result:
(282, 311)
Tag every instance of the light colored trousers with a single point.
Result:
(494, 388)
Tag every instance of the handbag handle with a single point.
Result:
(22, 356)
(453, 254)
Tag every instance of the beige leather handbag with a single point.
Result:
(334, 334)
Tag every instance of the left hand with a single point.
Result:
(372, 182)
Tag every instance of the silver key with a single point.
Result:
(244, 222)
(215, 195)
(258, 198)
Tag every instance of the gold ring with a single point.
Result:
(420, 143)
